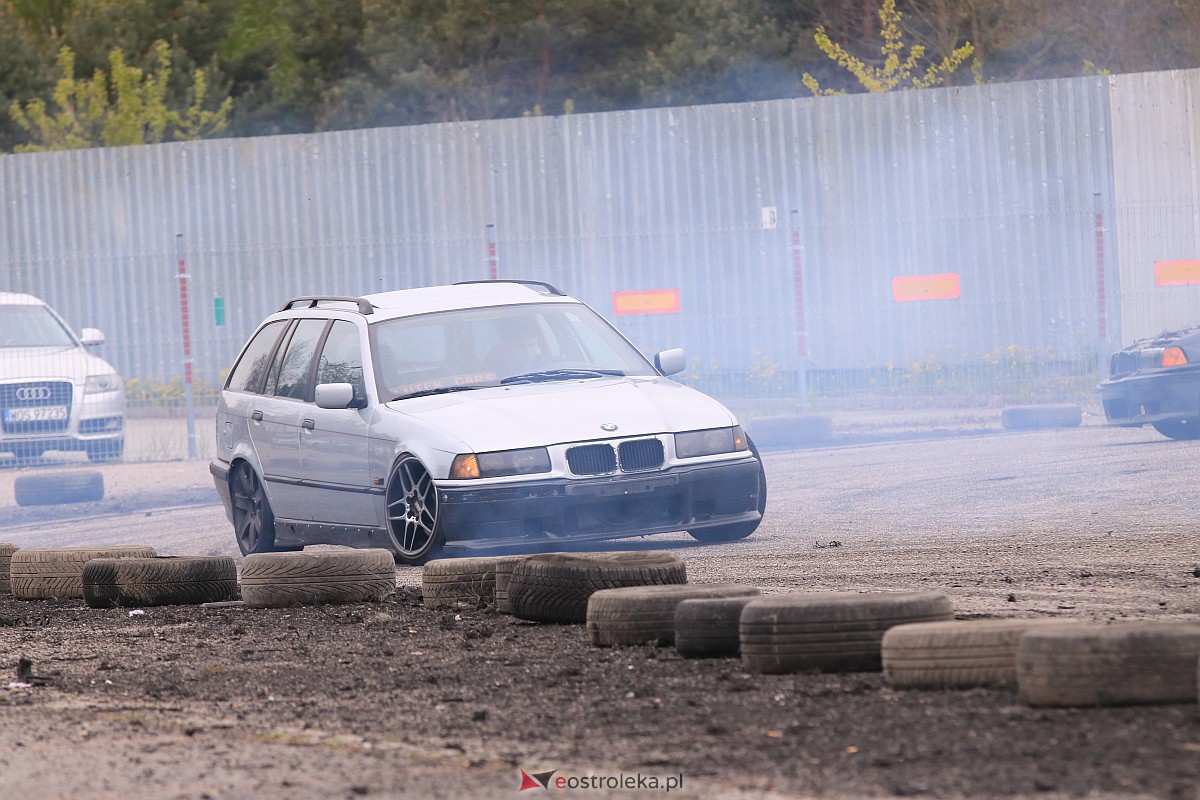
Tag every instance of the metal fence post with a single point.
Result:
(801, 321)
(1101, 296)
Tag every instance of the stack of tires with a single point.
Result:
(134, 575)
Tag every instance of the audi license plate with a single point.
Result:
(35, 414)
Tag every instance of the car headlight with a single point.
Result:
(710, 442)
(1158, 357)
(1173, 357)
(102, 383)
(529, 461)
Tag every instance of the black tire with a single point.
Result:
(829, 631)
(1104, 665)
(504, 571)
(555, 587)
(101, 587)
(412, 512)
(1187, 429)
(961, 654)
(6, 551)
(57, 488)
(1042, 417)
(40, 573)
(738, 530)
(467, 581)
(708, 628)
(100, 452)
(253, 520)
(160, 581)
(278, 580)
(636, 615)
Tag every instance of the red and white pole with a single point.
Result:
(186, 322)
(493, 257)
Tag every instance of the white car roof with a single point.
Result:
(407, 302)
(18, 299)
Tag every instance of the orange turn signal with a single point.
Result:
(1173, 357)
(465, 465)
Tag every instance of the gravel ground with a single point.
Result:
(396, 700)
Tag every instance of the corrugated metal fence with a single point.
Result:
(977, 245)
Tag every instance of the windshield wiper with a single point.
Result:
(560, 375)
(439, 390)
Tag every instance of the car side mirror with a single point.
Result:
(91, 337)
(669, 362)
(335, 395)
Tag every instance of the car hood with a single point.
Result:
(1164, 339)
(526, 415)
(50, 363)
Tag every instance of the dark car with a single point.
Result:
(1156, 381)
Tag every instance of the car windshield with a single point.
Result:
(32, 326)
(473, 348)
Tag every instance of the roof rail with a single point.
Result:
(364, 307)
(542, 286)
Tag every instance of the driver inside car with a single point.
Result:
(520, 349)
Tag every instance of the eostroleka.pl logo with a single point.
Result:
(548, 782)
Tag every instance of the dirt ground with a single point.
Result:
(396, 700)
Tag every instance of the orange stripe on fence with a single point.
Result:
(925, 287)
(652, 301)
(1176, 273)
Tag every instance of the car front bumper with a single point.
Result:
(94, 419)
(1155, 397)
(683, 498)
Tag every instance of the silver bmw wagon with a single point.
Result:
(479, 415)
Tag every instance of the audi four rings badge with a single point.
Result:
(33, 393)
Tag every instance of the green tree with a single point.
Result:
(447, 60)
(26, 70)
(286, 58)
(124, 106)
(45, 19)
(898, 69)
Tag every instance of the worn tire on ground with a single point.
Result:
(708, 627)
(959, 654)
(829, 631)
(470, 581)
(1029, 418)
(159, 581)
(54, 488)
(555, 587)
(319, 577)
(39, 573)
(646, 614)
(504, 570)
(1102, 665)
(6, 551)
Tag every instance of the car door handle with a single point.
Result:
(308, 424)
(256, 416)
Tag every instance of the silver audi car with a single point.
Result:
(55, 394)
(479, 415)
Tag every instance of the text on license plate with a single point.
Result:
(35, 414)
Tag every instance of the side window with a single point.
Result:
(341, 358)
(248, 375)
(295, 368)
